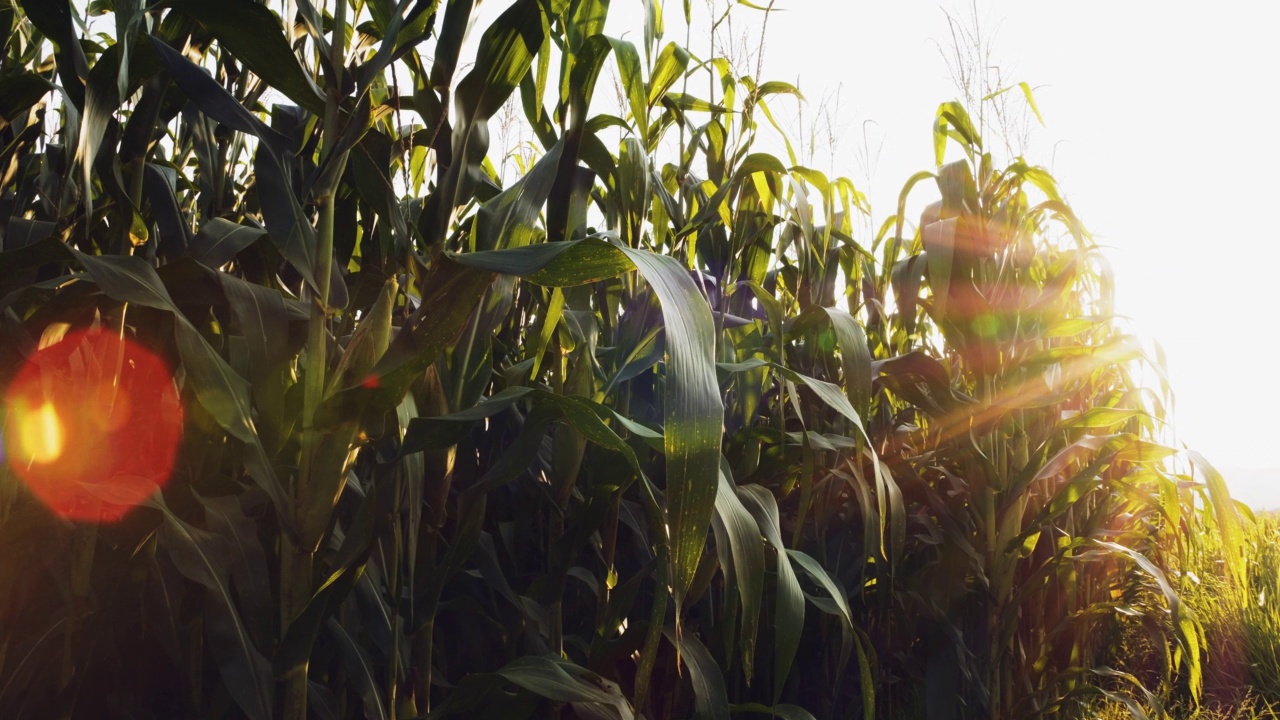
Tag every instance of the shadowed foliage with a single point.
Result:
(649, 429)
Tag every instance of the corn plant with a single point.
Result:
(1033, 449)
(646, 431)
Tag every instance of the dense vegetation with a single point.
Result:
(648, 430)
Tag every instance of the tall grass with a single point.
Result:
(1241, 624)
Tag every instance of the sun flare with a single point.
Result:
(95, 424)
(40, 435)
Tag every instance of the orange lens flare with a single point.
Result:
(93, 425)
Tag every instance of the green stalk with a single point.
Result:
(806, 491)
(295, 591)
(439, 466)
(397, 536)
(554, 536)
(297, 553)
(422, 658)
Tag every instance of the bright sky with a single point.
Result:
(1160, 129)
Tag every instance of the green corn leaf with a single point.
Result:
(505, 54)
(958, 188)
(920, 379)
(508, 219)
(855, 355)
(628, 61)
(693, 412)
(550, 320)
(53, 18)
(789, 598)
(1230, 528)
(777, 87)
(406, 24)
(211, 98)
(114, 77)
(939, 245)
(829, 394)
(290, 228)
(693, 408)
(667, 69)
(820, 576)
(504, 57)
(220, 240)
(1153, 702)
(1184, 623)
(252, 33)
(559, 264)
(952, 121)
(263, 319)
(690, 103)
(1072, 489)
(428, 433)
(369, 341)
(453, 31)
(1026, 93)
(584, 415)
(1100, 418)
(745, 559)
(710, 699)
(558, 679)
(360, 670)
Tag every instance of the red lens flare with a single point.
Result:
(93, 424)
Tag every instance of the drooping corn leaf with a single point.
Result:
(789, 598)
(744, 559)
(560, 264)
(360, 669)
(693, 412)
(557, 679)
(220, 240)
(710, 699)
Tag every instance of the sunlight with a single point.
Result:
(40, 436)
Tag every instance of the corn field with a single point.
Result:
(309, 413)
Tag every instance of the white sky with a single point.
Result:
(1160, 127)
